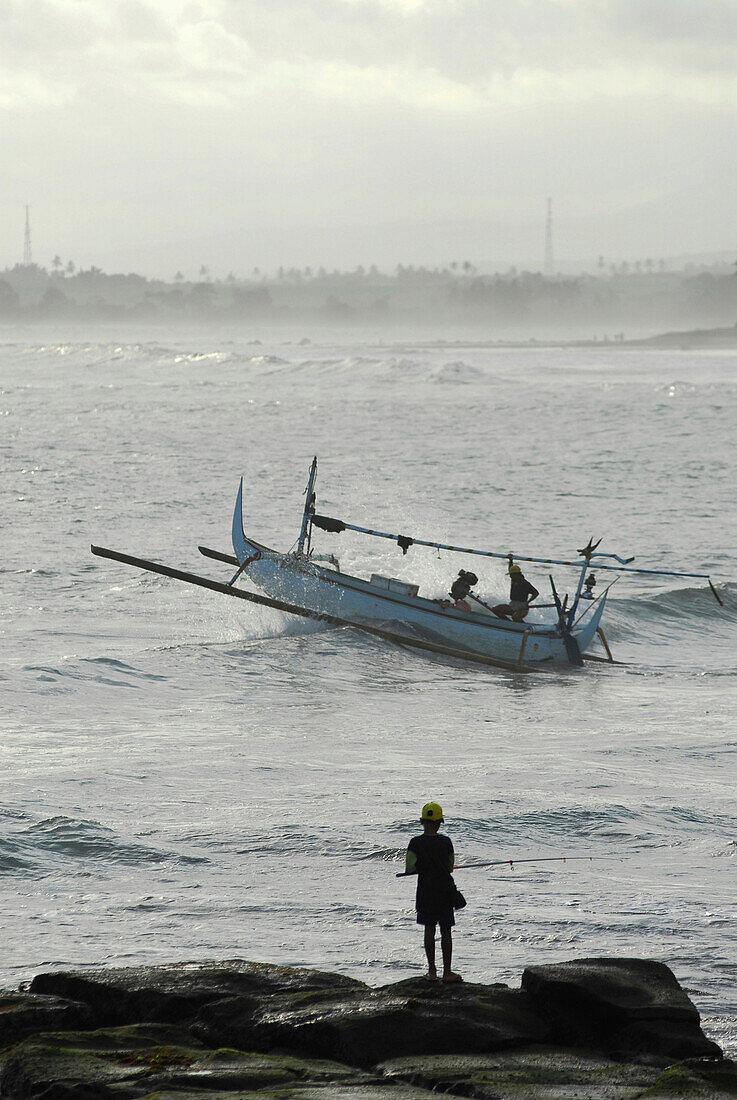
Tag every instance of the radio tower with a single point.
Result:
(27, 257)
(549, 264)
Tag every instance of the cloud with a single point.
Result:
(338, 111)
(444, 53)
(481, 44)
(681, 35)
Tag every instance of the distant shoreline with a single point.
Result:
(693, 339)
(286, 330)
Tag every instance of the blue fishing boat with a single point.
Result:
(302, 578)
(305, 583)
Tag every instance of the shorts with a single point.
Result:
(445, 918)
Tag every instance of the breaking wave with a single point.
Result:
(694, 606)
(57, 842)
(385, 367)
(680, 629)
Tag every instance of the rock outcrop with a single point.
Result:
(178, 992)
(369, 1025)
(137, 1060)
(591, 1028)
(24, 1014)
(627, 1007)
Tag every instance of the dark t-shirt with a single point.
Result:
(521, 591)
(435, 858)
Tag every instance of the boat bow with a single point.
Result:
(242, 547)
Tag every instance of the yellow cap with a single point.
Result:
(514, 569)
(432, 812)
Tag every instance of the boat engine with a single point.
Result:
(463, 584)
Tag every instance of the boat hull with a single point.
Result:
(298, 580)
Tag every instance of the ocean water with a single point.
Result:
(186, 777)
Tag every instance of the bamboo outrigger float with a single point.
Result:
(303, 583)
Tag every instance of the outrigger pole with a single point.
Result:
(307, 613)
(327, 523)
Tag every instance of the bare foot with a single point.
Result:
(449, 976)
(432, 973)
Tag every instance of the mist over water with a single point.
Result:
(185, 778)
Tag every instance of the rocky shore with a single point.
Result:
(613, 1029)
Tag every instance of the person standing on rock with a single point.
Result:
(431, 857)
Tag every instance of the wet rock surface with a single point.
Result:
(24, 1014)
(137, 1060)
(368, 1025)
(541, 1072)
(613, 1029)
(172, 993)
(549, 1073)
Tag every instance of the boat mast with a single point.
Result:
(309, 508)
(588, 553)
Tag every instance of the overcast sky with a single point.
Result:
(160, 134)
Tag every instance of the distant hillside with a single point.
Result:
(524, 301)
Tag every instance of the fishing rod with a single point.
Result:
(327, 523)
(511, 863)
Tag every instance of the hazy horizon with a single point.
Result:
(157, 136)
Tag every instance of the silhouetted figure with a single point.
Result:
(431, 858)
(521, 595)
(460, 588)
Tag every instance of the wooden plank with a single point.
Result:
(217, 555)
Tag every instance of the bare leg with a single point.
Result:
(446, 945)
(430, 950)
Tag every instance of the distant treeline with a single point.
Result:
(638, 295)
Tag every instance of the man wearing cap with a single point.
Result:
(431, 857)
(521, 595)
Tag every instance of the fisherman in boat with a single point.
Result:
(461, 587)
(521, 595)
